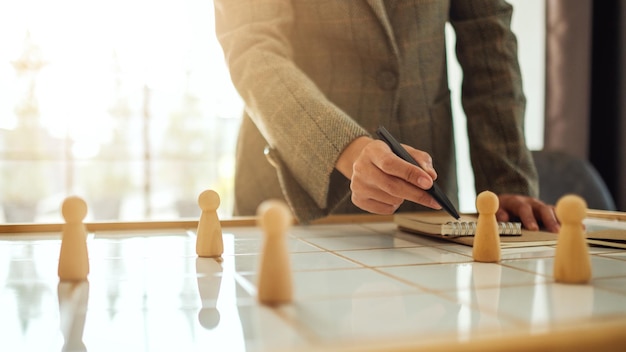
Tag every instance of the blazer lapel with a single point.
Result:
(378, 7)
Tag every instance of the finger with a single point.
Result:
(366, 191)
(393, 165)
(548, 217)
(375, 206)
(527, 217)
(502, 215)
(362, 193)
(424, 160)
(399, 188)
(394, 176)
(389, 189)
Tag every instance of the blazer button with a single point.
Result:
(387, 80)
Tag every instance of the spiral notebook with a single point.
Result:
(458, 228)
(441, 225)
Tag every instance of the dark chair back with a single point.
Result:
(561, 173)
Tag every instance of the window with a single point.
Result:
(129, 105)
(125, 103)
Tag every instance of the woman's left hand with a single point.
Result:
(531, 212)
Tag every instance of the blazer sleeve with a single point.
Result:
(492, 97)
(304, 130)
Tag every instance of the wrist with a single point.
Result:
(350, 154)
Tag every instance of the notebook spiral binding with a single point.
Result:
(468, 228)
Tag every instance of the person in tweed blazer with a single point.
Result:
(318, 77)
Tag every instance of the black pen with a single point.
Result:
(434, 191)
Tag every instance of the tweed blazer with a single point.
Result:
(316, 74)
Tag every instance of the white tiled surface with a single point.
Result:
(338, 243)
(461, 276)
(353, 284)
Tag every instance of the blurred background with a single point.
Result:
(129, 104)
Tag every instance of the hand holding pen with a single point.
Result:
(381, 182)
(434, 191)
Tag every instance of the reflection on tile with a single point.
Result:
(73, 298)
(263, 329)
(446, 277)
(209, 280)
(527, 252)
(617, 255)
(509, 253)
(404, 256)
(160, 247)
(299, 261)
(387, 228)
(241, 328)
(607, 267)
(331, 230)
(28, 297)
(549, 303)
(343, 283)
(360, 242)
(319, 261)
(364, 318)
(255, 246)
(38, 330)
(605, 250)
(611, 284)
(601, 266)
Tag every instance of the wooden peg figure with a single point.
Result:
(209, 242)
(572, 263)
(274, 277)
(73, 258)
(487, 238)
